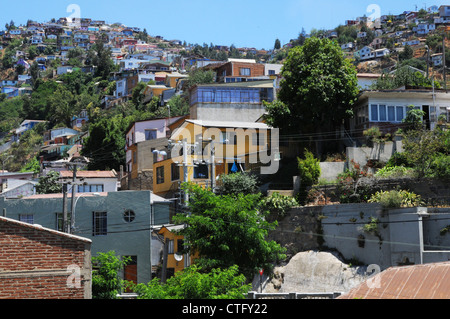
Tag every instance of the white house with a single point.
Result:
(121, 88)
(387, 109)
(436, 59)
(36, 39)
(348, 46)
(424, 28)
(381, 53)
(366, 53)
(17, 188)
(362, 35)
(411, 42)
(93, 181)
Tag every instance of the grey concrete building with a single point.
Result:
(115, 221)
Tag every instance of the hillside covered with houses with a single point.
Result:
(102, 125)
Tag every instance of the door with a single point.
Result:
(130, 270)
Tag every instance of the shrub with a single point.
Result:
(278, 204)
(440, 167)
(396, 199)
(309, 169)
(395, 172)
(309, 172)
(238, 183)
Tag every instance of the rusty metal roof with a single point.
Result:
(427, 281)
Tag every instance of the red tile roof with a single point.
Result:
(427, 281)
(89, 174)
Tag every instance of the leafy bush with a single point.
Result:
(192, 283)
(395, 172)
(396, 199)
(106, 282)
(237, 183)
(309, 169)
(278, 204)
(398, 159)
(440, 167)
(309, 172)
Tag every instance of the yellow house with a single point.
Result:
(172, 79)
(201, 151)
(155, 90)
(176, 260)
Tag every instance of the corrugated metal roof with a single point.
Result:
(427, 281)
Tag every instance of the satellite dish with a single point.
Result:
(178, 257)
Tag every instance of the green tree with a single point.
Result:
(48, 184)
(192, 283)
(33, 52)
(62, 106)
(403, 76)
(228, 230)
(106, 283)
(238, 183)
(318, 89)
(199, 76)
(277, 44)
(421, 147)
(102, 60)
(105, 146)
(406, 54)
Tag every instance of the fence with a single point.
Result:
(293, 295)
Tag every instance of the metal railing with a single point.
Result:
(293, 295)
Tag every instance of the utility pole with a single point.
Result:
(213, 167)
(74, 165)
(443, 61)
(66, 227)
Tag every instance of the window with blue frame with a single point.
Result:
(90, 188)
(229, 95)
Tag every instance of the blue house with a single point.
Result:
(10, 91)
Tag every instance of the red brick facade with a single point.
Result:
(236, 69)
(40, 263)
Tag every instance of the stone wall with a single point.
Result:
(401, 236)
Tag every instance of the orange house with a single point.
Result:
(176, 261)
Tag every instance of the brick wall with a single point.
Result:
(34, 263)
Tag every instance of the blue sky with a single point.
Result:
(243, 23)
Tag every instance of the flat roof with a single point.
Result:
(229, 124)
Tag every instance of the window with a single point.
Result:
(258, 139)
(271, 72)
(90, 188)
(160, 175)
(150, 135)
(400, 113)
(382, 110)
(26, 218)
(99, 224)
(60, 221)
(129, 215)
(374, 112)
(383, 113)
(244, 71)
(228, 138)
(170, 247)
(174, 172)
(201, 171)
(391, 113)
